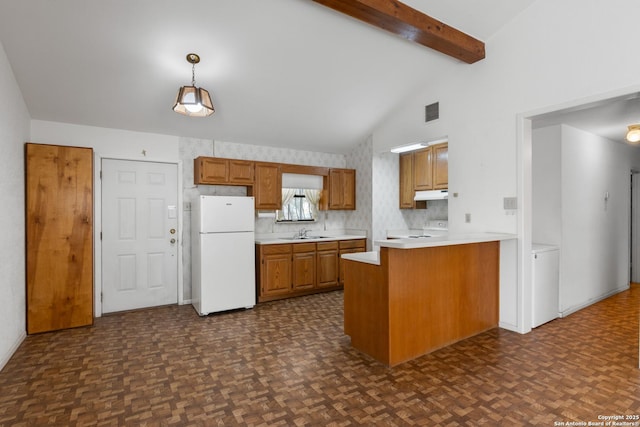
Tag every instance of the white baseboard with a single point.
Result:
(12, 350)
(509, 327)
(592, 301)
(185, 302)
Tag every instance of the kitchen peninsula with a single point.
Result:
(417, 295)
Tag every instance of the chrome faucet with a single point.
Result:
(302, 233)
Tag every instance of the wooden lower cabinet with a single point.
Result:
(274, 270)
(59, 237)
(294, 269)
(349, 247)
(304, 266)
(328, 264)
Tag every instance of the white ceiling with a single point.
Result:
(608, 118)
(284, 73)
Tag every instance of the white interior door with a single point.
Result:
(139, 234)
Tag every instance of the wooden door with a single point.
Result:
(59, 233)
(267, 189)
(304, 266)
(406, 181)
(422, 169)
(139, 234)
(441, 166)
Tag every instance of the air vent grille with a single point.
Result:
(432, 112)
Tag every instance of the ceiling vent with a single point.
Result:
(432, 112)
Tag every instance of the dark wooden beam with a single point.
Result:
(413, 25)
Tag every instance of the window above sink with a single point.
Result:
(299, 205)
(300, 197)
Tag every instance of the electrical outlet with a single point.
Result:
(467, 217)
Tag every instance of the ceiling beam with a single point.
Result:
(413, 25)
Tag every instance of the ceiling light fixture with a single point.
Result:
(191, 100)
(409, 147)
(633, 134)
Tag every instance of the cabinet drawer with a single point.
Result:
(304, 247)
(276, 249)
(327, 246)
(348, 244)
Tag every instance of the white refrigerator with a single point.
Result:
(222, 254)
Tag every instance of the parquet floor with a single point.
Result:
(287, 363)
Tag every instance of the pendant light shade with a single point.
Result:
(191, 100)
(633, 134)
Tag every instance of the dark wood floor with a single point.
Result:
(288, 363)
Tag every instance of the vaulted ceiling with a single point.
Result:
(285, 73)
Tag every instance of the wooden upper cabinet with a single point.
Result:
(59, 237)
(241, 172)
(423, 169)
(441, 166)
(406, 181)
(426, 169)
(267, 189)
(342, 189)
(215, 170)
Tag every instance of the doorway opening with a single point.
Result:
(634, 227)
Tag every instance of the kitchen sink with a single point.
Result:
(306, 237)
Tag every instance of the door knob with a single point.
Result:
(172, 240)
(172, 231)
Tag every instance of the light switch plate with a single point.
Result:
(510, 203)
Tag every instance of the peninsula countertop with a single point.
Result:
(373, 257)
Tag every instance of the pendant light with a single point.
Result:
(633, 134)
(191, 100)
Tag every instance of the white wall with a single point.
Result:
(360, 159)
(14, 132)
(547, 188)
(539, 59)
(594, 251)
(108, 143)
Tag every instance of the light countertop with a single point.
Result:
(444, 240)
(325, 236)
(427, 242)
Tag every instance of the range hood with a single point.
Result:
(431, 195)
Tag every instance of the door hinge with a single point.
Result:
(100, 296)
(101, 174)
(101, 235)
